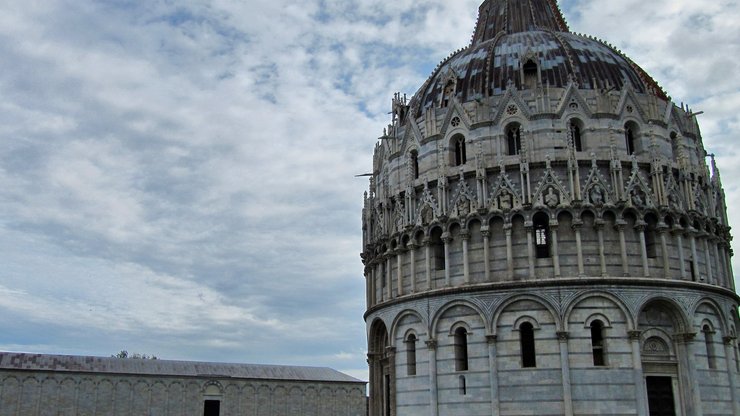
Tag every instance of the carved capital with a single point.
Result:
(729, 340)
(486, 233)
(634, 335)
(562, 336)
(491, 339)
(465, 235)
(431, 344)
(390, 351)
(640, 226)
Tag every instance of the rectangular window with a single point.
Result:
(211, 408)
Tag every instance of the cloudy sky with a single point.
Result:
(177, 177)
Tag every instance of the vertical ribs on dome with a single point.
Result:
(513, 16)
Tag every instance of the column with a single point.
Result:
(428, 264)
(465, 235)
(661, 229)
(694, 257)
(579, 248)
(708, 261)
(446, 239)
(687, 372)
(623, 246)
(412, 273)
(399, 272)
(731, 374)
(719, 271)
(368, 288)
(555, 255)
(640, 388)
(388, 277)
(640, 229)
(493, 374)
(599, 225)
(486, 254)
(530, 248)
(375, 385)
(433, 408)
(391, 360)
(565, 371)
(678, 232)
(509, 255)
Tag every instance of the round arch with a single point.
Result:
(631, 321)
(542, 301)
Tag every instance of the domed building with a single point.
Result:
(543, 236)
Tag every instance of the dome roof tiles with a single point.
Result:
(560, 57)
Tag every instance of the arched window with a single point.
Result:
(541, 229)
(597, 343)
(460, 156)
(629, 137)
(461, 349)
(514, 136)
(575, 131)
(411, 355)
(709, 341)
(447, 94)
(526, 342)
(674, 145)
(438, 249)
(651, 246)
(530, 74)
(414, 161)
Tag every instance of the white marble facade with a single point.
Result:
(543, 235)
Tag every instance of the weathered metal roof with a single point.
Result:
(510, 33)
(103, 365)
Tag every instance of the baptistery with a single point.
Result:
(545, 234)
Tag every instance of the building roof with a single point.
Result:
(512, 33)
(102, 365)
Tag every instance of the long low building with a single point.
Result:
(36, 384)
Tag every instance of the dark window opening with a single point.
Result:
(447, 94)
(411, 355)
(709, 341)
(530, 74)
(629, 136)
(526, 341)
(542, 237)
(211, 408)
(463, 386)
(651, 247)
(597, 343)
(415, 165)
(693, 271)
(660, 396)
(575, 132)
(514, 137)
(461, 349)
(460, 155)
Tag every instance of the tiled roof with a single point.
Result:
(81, 364)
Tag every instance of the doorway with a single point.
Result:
(660, 396)
(211, 408)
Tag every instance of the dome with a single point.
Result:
(526, 38)
(542, 234)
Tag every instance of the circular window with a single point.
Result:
(512, 109)
(455, 121)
